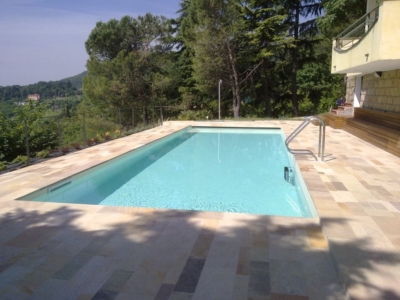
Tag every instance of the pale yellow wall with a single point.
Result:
(380, 44)
(390, 40)
(356, 56)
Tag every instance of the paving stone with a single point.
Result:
(244, 261)
(113, 285)
(165, 292)
(287, 277)
(259, 279)
(240, 289)
(215, 284)
(190, 275)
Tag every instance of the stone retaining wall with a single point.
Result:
(380, 93)
(350, 89)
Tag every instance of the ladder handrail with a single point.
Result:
(321, 139)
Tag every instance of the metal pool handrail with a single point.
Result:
(321, 141)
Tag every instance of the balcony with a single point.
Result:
(371, 43)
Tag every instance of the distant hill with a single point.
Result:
(66, 87)
(76, 80)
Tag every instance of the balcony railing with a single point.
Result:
(356, 32)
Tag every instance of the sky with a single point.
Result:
(44, 40)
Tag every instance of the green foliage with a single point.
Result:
(325, 104)
(42, 132)
(306, 107)
(266, 42)
(7, 107)
(76, 81)
(213, 31)
(6, 137)
(20, 159)
(339, 14)
(28, 122)
(194, 115)
(249, 110)
(43, 154)
(3, 166)
(72, 130)
(42, 123)
(271, 51)
(127, 61)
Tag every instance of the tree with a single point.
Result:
(190, 96)
(213, 31)
(28, 120)
(124, 57)
(300, 31)
(266, 36)
(339, 14)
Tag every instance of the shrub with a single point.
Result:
(98, 138)
(326, 103)
(117, 133)
(65, 149)
(251, 110)
(193, 115)
(21, 159)
(3, 166)
(76, 146)
(90, 142)
(306, 107)
(107, 136)
(126, 133)
(43, 154)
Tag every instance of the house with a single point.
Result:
(34, 97)
(368, 52)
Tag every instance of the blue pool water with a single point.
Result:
(225, 170)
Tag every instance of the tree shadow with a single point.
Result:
(368, 265)
(90, 252)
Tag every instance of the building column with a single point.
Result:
(357, 92)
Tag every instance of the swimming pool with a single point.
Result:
(208, 169)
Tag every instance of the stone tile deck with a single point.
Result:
(71, 251)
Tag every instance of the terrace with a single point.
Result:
(71, 251)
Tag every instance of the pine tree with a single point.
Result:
(125, 55)
(213, 31)
(266, 36)
(300, 31)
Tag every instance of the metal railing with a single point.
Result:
(321, 140)
(60, 134)
(356, 32)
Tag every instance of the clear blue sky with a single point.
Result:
(43, 40)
